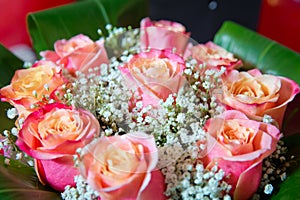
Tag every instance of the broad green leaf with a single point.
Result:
(9, 63)
(5, 122)
(267, 55)
(289, 189)
(86, 17)
(19, 182)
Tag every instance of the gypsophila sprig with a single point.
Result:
(187, 178)
(82, 191)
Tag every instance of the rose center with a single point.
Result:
(155, 69)
(237, 138)
(119, 163)
(26, 84)
(60, 123)
(249, 87)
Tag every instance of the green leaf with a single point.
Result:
(289, 189)
(267, 55)
(5, 122)
(9, 63)
(19, 182)
(86, 17)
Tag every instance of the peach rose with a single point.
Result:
(256, 94)
(51, 135)
(214, 56)
(77, 54)
(121, 167)
(163, 34)
(29, 87)
(238, 146)
(154, 75)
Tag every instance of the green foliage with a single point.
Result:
(9, 63)
(289, 189)
(86, 17)
(258, 51)
(19, 182)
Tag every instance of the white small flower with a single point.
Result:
(188, 71)
(227, 197)
(19, 156)
(12, 113)
(267, 119)
(15, 131)
(34, 93)
(108, 27)
(268, 189)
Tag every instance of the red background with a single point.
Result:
(13, 18)
(278, 19)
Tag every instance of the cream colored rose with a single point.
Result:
(154, 74)
(257, 94)
(213, 56)
(119, 167)
(29, 87)
(238, 145)
(51, 135)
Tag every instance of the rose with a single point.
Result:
(213, 56)
(238, 146)
(154, 75)
(257, 95)
(163, 34)
(121, 167)
(51, 135)
(79, 53)
(30, 88)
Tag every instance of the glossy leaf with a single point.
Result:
(258, 51)
(289, 189)
(86, 17)
(19, 182)
(9, 63)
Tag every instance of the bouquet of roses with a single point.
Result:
(147, 113)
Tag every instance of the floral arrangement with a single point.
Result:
(147, 113)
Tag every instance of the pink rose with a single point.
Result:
(51, 135)
(214, 56)
(29, 87)
(77, 54)
(256, 94)
(121, 167)
(238, 146)
(163, 35)
(154, 75)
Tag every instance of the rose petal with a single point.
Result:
(58, 173)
